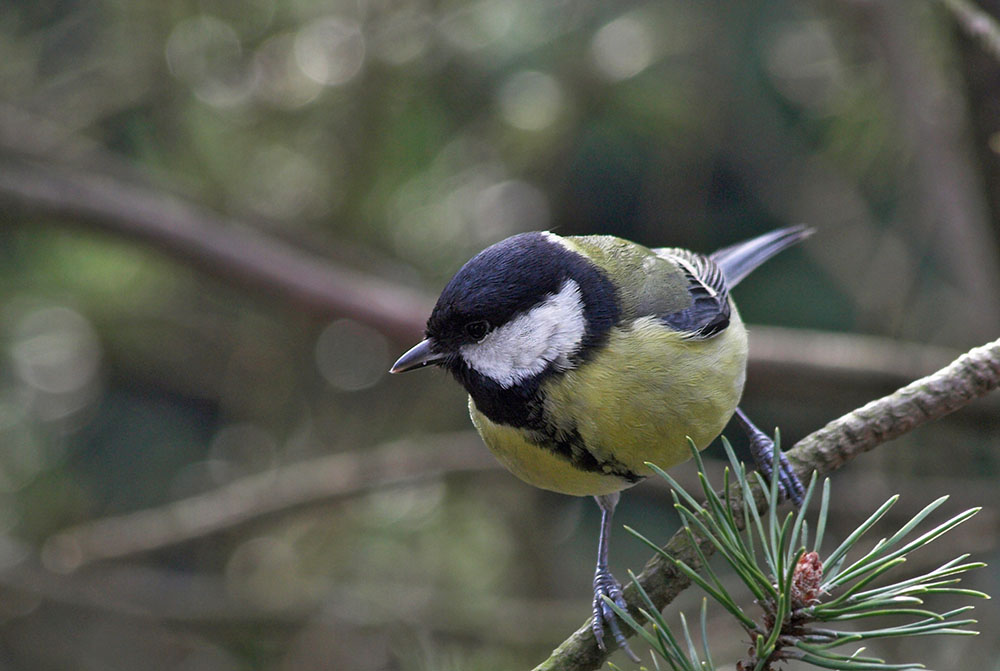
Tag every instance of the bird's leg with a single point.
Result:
(605, 583)
(762, 449)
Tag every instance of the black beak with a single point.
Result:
(420, 355)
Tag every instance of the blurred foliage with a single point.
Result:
(399, 138)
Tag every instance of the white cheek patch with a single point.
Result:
(549, 333)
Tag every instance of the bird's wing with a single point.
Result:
(685, 291)
(709, 311)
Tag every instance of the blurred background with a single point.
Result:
(222, 221)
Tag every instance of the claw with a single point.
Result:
(605, 586)
(762, 449)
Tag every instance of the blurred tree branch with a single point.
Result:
(824, 355)
(978, 24)
(969, 377)
(223, 247)
(952, 208)
(945, 219)
(101, 191)
(199, 600)
(255, 498)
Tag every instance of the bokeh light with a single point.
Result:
(802, 61)
(503, 208)
(56, 354)
(330, 50)
(531, 100)
(478, 24)
(277, 78)
(623, 48)
(351, 356)
(402, 36)
(205, 53)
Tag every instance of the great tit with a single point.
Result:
(587, 356)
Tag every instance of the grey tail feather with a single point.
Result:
(737, 261)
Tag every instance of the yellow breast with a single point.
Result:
(637, 401)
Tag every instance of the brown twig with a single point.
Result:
(971, 376)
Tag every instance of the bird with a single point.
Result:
(587, 357)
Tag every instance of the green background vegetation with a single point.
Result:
(396, 139)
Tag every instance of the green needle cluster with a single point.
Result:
(803, 597)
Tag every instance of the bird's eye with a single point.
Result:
(477, 330)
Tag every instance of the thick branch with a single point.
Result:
(971, 376)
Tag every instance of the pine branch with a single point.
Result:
(969, 377)
(806, 598)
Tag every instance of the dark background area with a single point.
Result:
(203, 464)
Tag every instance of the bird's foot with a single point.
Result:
(762, 448)
(605, 585)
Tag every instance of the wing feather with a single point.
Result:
(709, 312)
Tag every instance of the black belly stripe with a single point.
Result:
(522, 408)
(570, 446)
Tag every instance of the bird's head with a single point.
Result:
(520, 309)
